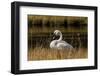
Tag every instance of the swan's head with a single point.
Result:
(57, 33)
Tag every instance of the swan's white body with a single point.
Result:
(59, 44)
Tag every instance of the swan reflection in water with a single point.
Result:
(59, 43)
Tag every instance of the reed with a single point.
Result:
(40, 53)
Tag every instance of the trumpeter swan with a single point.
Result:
(60, 44)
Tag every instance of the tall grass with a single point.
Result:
(54, 54)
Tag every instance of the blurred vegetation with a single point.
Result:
(47, 24)
(54, 54)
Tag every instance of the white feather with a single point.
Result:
(60, 44)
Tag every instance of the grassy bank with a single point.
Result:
(52, 54)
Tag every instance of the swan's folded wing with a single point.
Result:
(63, 44)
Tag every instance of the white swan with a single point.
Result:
(60, 44)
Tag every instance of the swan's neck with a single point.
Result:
(60, 37)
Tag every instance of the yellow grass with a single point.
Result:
(52, 54)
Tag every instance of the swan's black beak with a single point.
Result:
(55, 37)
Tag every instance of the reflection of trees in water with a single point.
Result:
(53, 22)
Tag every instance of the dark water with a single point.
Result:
(77, 40)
